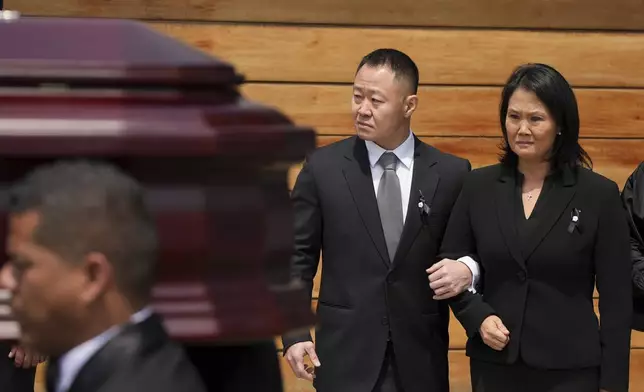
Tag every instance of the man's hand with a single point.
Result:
(494, 333)
(449, 278)
(295, 357)
(26, 358)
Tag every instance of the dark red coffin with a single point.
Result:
(214, 164)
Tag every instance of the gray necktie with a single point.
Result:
(390, 203)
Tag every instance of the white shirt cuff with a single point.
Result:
(474, 269)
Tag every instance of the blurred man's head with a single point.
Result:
(384, 97)
(82, 252)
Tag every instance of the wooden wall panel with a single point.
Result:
(444, 56)
(615, 158)
(637, 373)
(579, 14)
(449, 111)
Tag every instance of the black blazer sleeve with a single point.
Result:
(612, 269)
(633, 200)
(308, 239)
(469, 308)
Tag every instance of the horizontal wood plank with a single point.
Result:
(637, 371)
(615, 159)
(459, 373)
(444, 56)
(578, 14)
(449, 111)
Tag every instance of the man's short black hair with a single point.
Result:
(93, 207)
(400, 64)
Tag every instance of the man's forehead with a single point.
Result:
(370, 74)
(366, 88)
(379, 80)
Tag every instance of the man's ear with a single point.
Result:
(410, 105)
(99, 275)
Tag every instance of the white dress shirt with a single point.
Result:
(72, 362)
(405, 171)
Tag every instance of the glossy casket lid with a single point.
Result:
(105, 87)
(100, 51)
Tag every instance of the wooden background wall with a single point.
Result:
(300, 55)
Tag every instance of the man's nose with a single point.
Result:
(364, 110)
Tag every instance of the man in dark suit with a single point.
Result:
(82, 254)
(376, 206)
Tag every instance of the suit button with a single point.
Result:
(521, 275)
(384, 321)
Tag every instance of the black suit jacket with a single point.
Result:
(543, 291)
(633, 199)
(140, 358)
(363, 295)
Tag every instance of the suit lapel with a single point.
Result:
(119, 353)
(557, 200)
(425, 179)
(505, 201)
(357, 172)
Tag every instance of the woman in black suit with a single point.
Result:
(633, 199)
(545, 229)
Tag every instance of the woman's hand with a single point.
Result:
(494, 333)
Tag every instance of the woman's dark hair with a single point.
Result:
(556, 94)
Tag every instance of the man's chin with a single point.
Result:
(26, 339)
(365, 134)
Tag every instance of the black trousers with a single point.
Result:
(519, 377)
(389, 378)
(237, 368)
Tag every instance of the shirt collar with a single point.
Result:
(404, 152)
(72, 361)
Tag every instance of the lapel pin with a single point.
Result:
(423, 207)
(574, 220)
